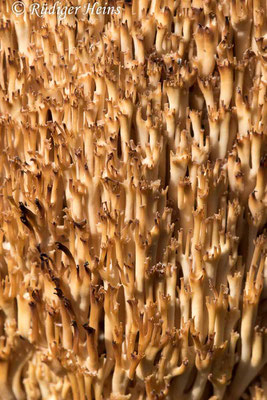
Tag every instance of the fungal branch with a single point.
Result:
(133, 202)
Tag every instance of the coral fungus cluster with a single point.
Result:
(133, 202)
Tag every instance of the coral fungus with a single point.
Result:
(133, 201)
